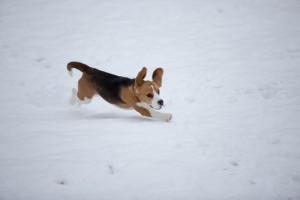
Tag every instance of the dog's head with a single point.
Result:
(148, 91)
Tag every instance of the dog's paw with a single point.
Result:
(167, 117)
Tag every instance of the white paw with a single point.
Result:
(85, 101)
(167, 117)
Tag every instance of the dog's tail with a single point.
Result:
(80, 66)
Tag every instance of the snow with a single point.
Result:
(231, 82)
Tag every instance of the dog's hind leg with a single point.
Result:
(74, 98)
(85, 91)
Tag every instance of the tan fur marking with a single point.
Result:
(128, 96)
(143, 90)
(85, 90)
(157, 76)
(140, 77)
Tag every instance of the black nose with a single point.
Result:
(160, 102)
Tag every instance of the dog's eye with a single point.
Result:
(158, 91)
(150, 95)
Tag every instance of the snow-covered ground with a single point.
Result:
(232, 83)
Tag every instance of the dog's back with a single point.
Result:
(107, 85)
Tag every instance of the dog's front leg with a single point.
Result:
(146, 110)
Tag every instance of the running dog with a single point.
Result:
(126, 93)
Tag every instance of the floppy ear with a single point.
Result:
(140, 77)
(157, 76)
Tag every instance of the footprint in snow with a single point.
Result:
(252, 182)
(39, 59)
(61, 182)
(234, 163)
(296, 178)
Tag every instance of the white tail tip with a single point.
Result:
(70, 72)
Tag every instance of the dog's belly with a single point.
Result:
(110, 97)
(123, 106)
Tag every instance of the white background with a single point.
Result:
(232, 83)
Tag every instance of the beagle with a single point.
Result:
(143, 96)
